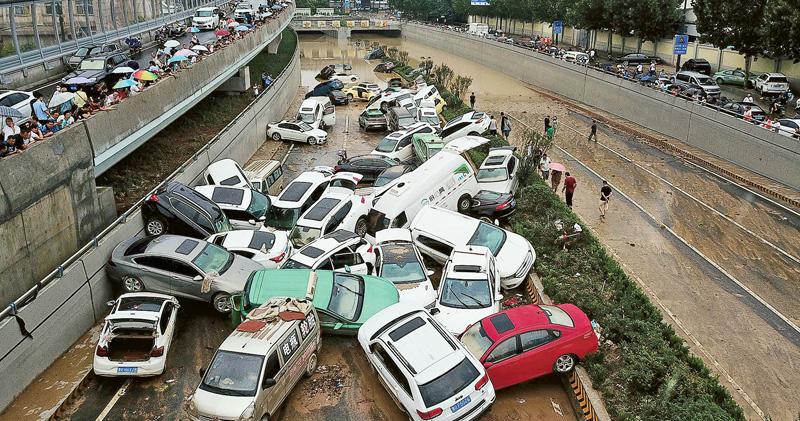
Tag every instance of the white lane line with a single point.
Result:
(113, 401)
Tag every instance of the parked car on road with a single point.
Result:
(473, 123)
(399, 118)
(136, 336)
(181, 266)
(699, 65)
(368, 165)
(771, 83)
(789, 127)
(226, 172)
(269, 249)
(178, 209)
(398, 260)
(397, 145)
(297, 131)
(705, 83)
(576, 57)
(338, 97)
(530, 341)
(296, 198)
(244, 207)
(429, 115)
(318, 112)
(737, 108)
(370, 119)
(372, 87)
(97, 68)
(345, 77)
(340, 251)
(731, 77)
(18, 100)
(636, 58)
(88, 51)
(359, 93)
(491, 206)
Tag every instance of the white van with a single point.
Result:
(206, 18)
(446, 180)
(480, 29)
(318, 112)
(265, 176)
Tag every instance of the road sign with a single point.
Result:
(680, 44)
(479, 2)
(558, 27)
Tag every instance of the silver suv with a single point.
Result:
(706, 83)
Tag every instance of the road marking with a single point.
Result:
(113, 401)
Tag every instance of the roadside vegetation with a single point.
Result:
(643, 368)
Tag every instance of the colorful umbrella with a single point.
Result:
(172, 43)
(124, 83)
(555, 166)
(221, 33)
(231, 20)
(10, 112)
(199, 48)
(60, 98)
(185, 52)
(123, 70)
(77, 81)
(145, 75)
(242, 28)
(192, 29)
(177, 59)
(232, 24)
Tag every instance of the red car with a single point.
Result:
(526, 342)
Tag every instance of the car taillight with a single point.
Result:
(101, 351)
(503, 206)
(153, 198)
(278, 258)
(337, 168)
(433, 413)
(157, 352)
(482, 382)
(369, 250)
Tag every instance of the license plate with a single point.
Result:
(127, 369)
(460, 404)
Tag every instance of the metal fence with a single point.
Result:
(35, 32)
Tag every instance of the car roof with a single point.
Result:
(322, 209)
(252, 239)
(693, 73)
(313, 177)
(325, 245)
(399, 169)
(174, 187)
(470, 261)
(392, 235)
(425, 362)
(227, 197)
(174, 245)
(258, 336)
(436, 219)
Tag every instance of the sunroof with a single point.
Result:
(262, 239)
(406, 328)
(495, 160)
(228, 196)
(321, 209)
(312, 252)
(186, 247)
(341, 235)
(295, 191)
(467, 268)
(232, 181)
(501, 323)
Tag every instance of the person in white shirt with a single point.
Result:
(639, 68)
(748, 99)
(10, 128)
(544, 166)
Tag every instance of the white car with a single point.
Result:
(206, 18)
(333, 211)
(296, 198)
(388, 99)
(473, 123)
(372, 87)
(789, 127)
(269, 249)
(18, 100)
(397, 144)
(398, 260)
(297, 131)
(428, 115)
(345, 77)
(245, 208)
(469, 289)
(771, 83)
(344, 182)
(438, 231)
(340, 251)
(136, 336)
(498, 172)
(226, 172)
(424, 368)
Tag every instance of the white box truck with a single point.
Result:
(479, 29)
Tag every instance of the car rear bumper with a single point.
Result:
(105, 368)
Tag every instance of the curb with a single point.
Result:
(581, 399)
(74, 395)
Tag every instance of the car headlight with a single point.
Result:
(92, 79)
(247, 414)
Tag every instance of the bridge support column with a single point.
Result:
(238, 83)
(272, 47)
(343, 33)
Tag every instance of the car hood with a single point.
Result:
(88, 74)
(379, 293)
(421, 294)
(513, 254)
(222, 406)
(501, 187)
(456, 320)
(235, 278)
(317, 133)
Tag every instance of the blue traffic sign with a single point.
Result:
(680, 45)
(479, 2)
(558, 27)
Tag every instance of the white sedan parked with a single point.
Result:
(297, 131)
(136, 336)
(269, 249)
(345, 77)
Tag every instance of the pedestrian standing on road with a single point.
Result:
(554, 125)
(505, 125)
(653, 67)
(605, 196)
(544, 167)
(546, 123)
(748, 99)
(570, 183)
(639, 69)
(493, 126)
(255, 91)
(550, 133)
(593, 134)
(472, 101)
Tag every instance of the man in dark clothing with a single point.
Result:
(472, 101)
(569, 188)
(546, 123)
(505, 125)
(593, 134)
(605, 196)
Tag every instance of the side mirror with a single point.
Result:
(268, 382)
(262, 218)
(434, 311)
(251, 221)
(337, 326)
(111, 303)
(429, 272)
(347, 268)
(202, 371)
(487, 364)
(498, 297)
(197, 278)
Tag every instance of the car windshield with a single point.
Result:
(282, 218)
(406, 121)
(778, 79)
(306, 118)
(213, 259)
(300, 236)
(492, 174)
(401, 265)
(448, 384)
(430, 119)
(705, 81)
(204, 13)
(489, 236)
(387, 144)
(92, 64)
(476, 340)
(465, 293)
(233, 374)
(304, 126)
(258, 205)
(558, 316)
(346, 296)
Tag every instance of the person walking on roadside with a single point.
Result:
(549, 133)
(546, 123)
(593, 133)
(544, 167)
(570, 183)
(493, 126)
(554, 124)
(605, 196)
(555, 181)
(505, 125)
(472, 101)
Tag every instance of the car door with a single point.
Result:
(350, 261)
(511, 166)
(184, 283)
(155, 273)
(502, 365)
(191, 219)
(268, 397)
(22, 103)
(539, 349)
(392, 377)
(167, 324)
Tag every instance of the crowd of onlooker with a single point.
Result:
(86, 101)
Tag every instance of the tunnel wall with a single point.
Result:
(761, 151)
(69, 305)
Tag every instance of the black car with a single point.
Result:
(98, 68)
(88, 51)
(391, 173)
(737, 108)
(369, 166)
(636, 58)
(338, 97)
(325, 88)
(489, 206)
(375, 54)
(699, 65)
(179, 209)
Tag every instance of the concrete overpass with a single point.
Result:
(343, 26)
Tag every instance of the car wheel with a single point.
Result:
(361, 227)
(276, 136)
(311, 365)
(222, 303)
(474, 134)
(564, 364)
(311, 140)
(155, 227)
(464, 202)
(487, 220)
(353, 79)
(132, 284)
(349, 97)
(719, 81)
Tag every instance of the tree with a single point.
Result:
(460, 85)
(740, 25)
(782, 35)
(442, 74)
(652, 20)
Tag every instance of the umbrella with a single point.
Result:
(199, 48)
(241, 28)
(276, 7)
(221, 33)
(555, 166)
(124, 83)
(79, 80)
(10, 112)
(123, 69)
(172, 43)
(60, 98)
(177, 59)
(186, 53)
(231, 20)
(232, 24)
(145, 75)
(192, 29)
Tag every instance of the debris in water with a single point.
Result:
(632, 244)
(556, 407)
(330, 381)
(170, 381)
(520, 401)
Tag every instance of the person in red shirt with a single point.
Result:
(569, 188)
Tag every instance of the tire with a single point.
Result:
(132, 284)
(719, 81)
(349, 97)
(353, 79)
(384, 107)
(276, 136)
(311, 140)
(155, 226)
(474, 134)
(564, 364)
(361, 227)
(464, 202)
(311, 365)
(222, 302)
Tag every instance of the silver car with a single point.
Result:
(180, 266)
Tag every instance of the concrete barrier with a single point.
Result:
(68, 306)
(761, 151)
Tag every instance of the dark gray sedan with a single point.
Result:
(180, 266)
